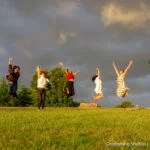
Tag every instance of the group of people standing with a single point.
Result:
(14, 74)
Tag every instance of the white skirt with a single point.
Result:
(98, 90)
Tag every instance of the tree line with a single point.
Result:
(28, 96)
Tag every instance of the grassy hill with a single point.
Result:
(74, 128)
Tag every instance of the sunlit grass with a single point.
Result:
(74, 128)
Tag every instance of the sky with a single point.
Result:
(83, 34)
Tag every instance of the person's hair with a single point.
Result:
(68, 70)
(122, 70)
(18, 67)
(42, 72)
(14, 67)
(93, 77)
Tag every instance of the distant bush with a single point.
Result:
(125, 104)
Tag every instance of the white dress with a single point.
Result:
(98, 87)
(122, 88)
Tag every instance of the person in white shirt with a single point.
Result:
(98, 86)
(122, 89)
(41, 87)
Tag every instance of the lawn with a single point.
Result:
(74, 128)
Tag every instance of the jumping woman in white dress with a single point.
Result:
(122, 89)
(98, 88)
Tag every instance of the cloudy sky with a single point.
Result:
(83, 34)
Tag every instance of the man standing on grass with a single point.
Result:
(14, 74)
(41, 87)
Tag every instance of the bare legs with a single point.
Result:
(97, 97)
(67, 91)
(123, 93)
(126, 93)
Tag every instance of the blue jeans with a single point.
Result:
(12, 89)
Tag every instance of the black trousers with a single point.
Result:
(41, 97)
(70, 86)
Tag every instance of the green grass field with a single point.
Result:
(74, 129)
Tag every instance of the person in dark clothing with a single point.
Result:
(14, 74)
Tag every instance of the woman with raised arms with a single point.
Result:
(70, 77)
(122, 89)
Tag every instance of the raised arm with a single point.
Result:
(38, 70)
(10, 67)
(10, 61)
(98, 72)
(77, 72)
(63, 67)
(116, 70)
(129, 65)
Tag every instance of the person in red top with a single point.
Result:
(70, 76)
(14, 74)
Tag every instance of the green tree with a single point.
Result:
(125, 104)
(5, 98)
(33, 83)
(4, 95)
(55, 95)
(34, 97)
(24, 95)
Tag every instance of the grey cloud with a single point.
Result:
(124, 15)
(41, 33)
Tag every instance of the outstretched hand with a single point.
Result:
(113, 63)
(10, 59)
(37, 68)
(77, 72)
(131, 62)
(61, 63)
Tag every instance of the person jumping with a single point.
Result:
(70, 76)
(122, 89)
(98, 88)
